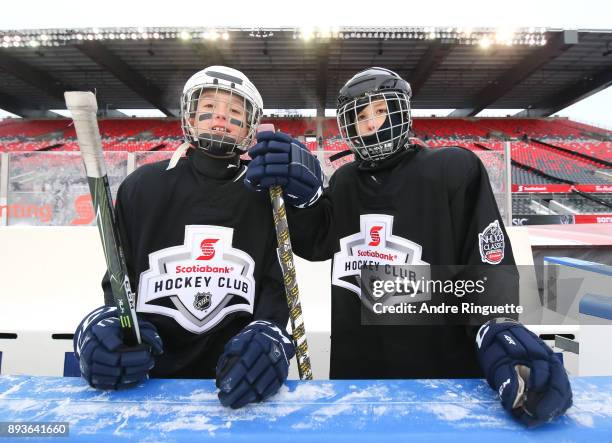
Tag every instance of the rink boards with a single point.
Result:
(316, 411)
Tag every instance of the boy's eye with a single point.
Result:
(381, 111)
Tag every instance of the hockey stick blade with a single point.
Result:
(83, 107)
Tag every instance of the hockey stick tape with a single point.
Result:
(266, 127)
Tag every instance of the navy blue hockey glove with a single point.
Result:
(254, 364)
(105, 361)
(530, 378)
(281, 160)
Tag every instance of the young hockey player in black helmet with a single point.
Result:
(210, 296)
(401, 203)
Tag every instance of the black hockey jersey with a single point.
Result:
(421, 206)
(201, 255)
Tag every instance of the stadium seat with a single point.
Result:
(165, 134)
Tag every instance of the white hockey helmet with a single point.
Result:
(220, 84)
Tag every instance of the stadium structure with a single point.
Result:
(561, 170)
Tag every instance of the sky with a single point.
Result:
(584, 14)
(567, 14)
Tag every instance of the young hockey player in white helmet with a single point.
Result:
(210, 296)
(401, 203)
(220, 111)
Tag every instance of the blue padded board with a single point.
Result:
(596, 305)
(318, 411)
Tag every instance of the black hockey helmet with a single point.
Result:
(373, 113)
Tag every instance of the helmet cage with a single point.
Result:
(389, 137)
(240, 111)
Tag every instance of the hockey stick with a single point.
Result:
(285, 256)
(83, 108)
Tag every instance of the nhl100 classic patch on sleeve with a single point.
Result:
(200, 282)
(491, 243)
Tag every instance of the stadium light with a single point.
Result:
(325, 32)
(458, 35)
(484, 43)
(504, 36)
(307, 33)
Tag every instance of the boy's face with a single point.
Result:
(221, 113)
(371, 118)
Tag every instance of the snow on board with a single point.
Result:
(348, 410)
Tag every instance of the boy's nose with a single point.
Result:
(221, 110)
(220, 114)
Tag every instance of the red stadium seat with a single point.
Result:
(598, 149)
(163, 134)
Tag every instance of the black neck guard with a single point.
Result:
(220, 168)
(389, 162)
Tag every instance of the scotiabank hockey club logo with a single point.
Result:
(491, 243)
(199, 282)
(375, 235)
(374, 244)
(208, 249)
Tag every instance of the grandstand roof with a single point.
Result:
(292, 73)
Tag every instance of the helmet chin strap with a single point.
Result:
(181, 150)
(216, 146)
